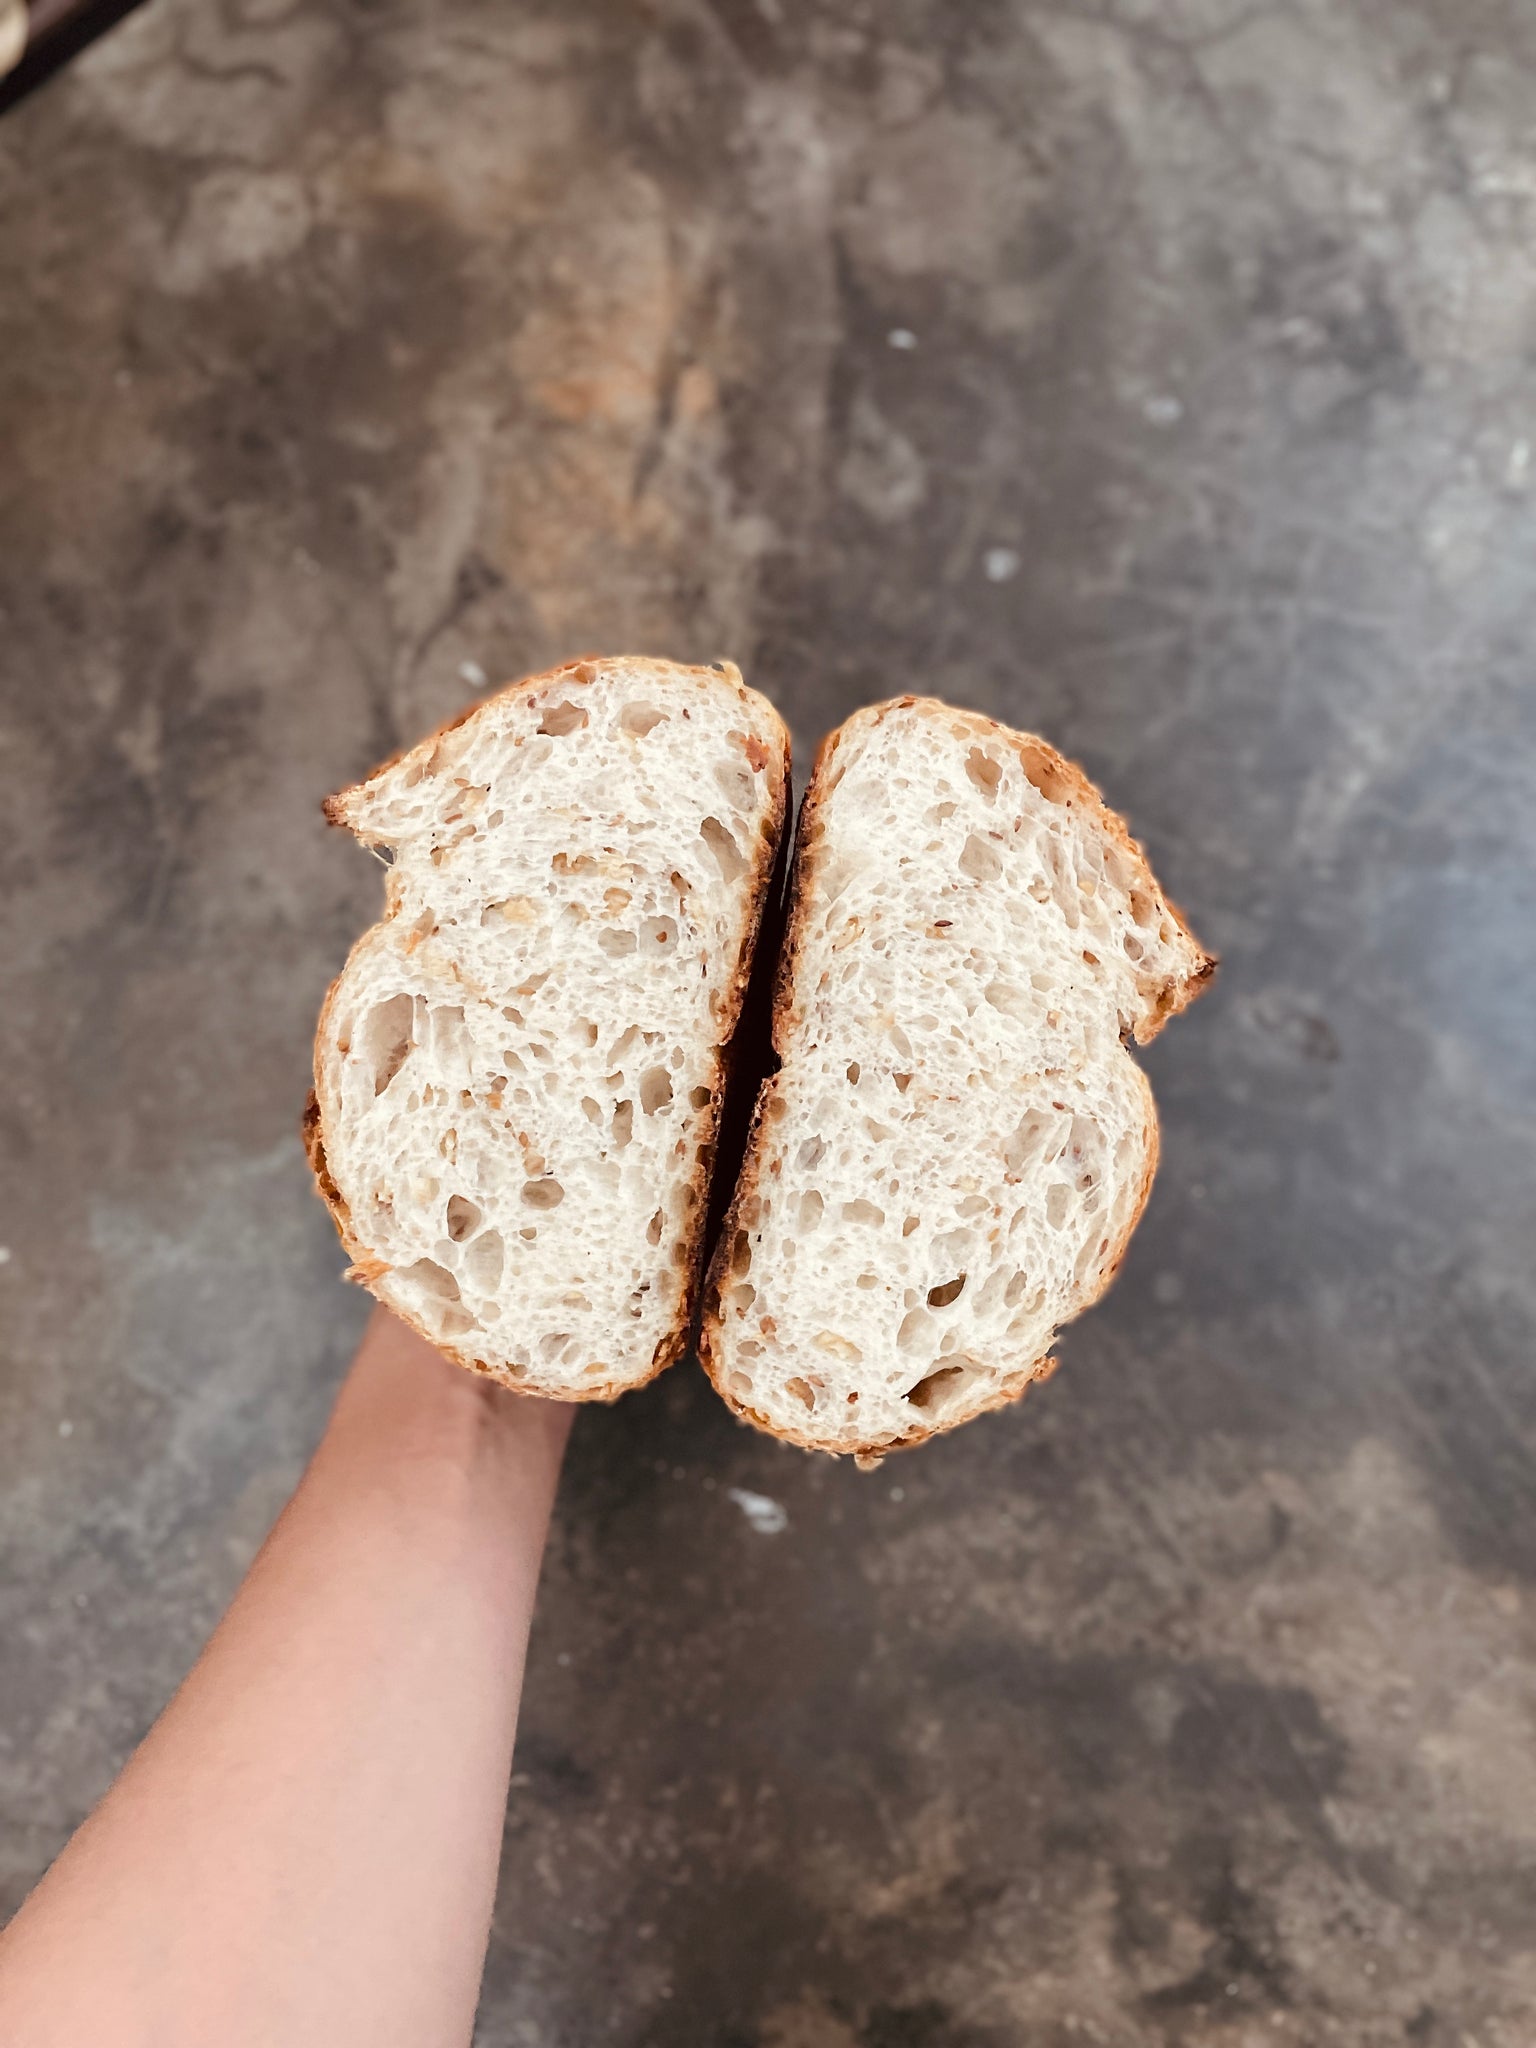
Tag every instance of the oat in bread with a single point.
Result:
(518, 1073)
(951, 1159)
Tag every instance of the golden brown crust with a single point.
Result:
(1047, 769)
(581, 669)
(1052, 772)
(367, 1271)
(314, 1152)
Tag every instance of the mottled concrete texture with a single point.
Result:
(1155, 373)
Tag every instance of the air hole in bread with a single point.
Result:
(909, 1226)
(658, 931)
(1085, 1263)
(546, 1193)
(1015, 1288)
(384, 1039)
(639, 719)
(980, 859)
(853, 1073)
(989, 1295)
(621, 1045)
(838, 1346)
(939, 1391)
(463, 1218)
(700, 1098)
(1024, 1143)
(1086, 1141)
(860, 1211)
(735, 785)
(903, 1082)
(867, 1281)
(653, 1229)
(623, 1122)
(515, 910)
(728, 855)
(835, 879)
(449, 1034)
(484, 1260)
(948, 1291)
(1143, 909)
(616, 943)
(1010, 1001)
(655, 1089)
(810, 1209)
(1047, 772)
(1057, 1201)
(562, 719)
(810, 1153)
(427, 1278)
(801, 1390)
(915, 1333)
(985, 772)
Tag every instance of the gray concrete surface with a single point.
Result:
(1155, 373)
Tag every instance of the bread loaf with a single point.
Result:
(518, 1074)
(950, 1161)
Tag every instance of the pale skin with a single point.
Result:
(304, 1848)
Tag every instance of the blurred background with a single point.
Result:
(1155, 374)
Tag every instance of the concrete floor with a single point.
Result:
(1156, 374)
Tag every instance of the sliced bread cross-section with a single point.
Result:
(519, 1072)
(957, 1145)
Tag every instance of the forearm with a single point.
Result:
(304, 1849)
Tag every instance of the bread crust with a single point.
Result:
(341, 809)
(1039, 760)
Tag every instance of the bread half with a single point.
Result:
(956, 1147)
(518, 1074)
